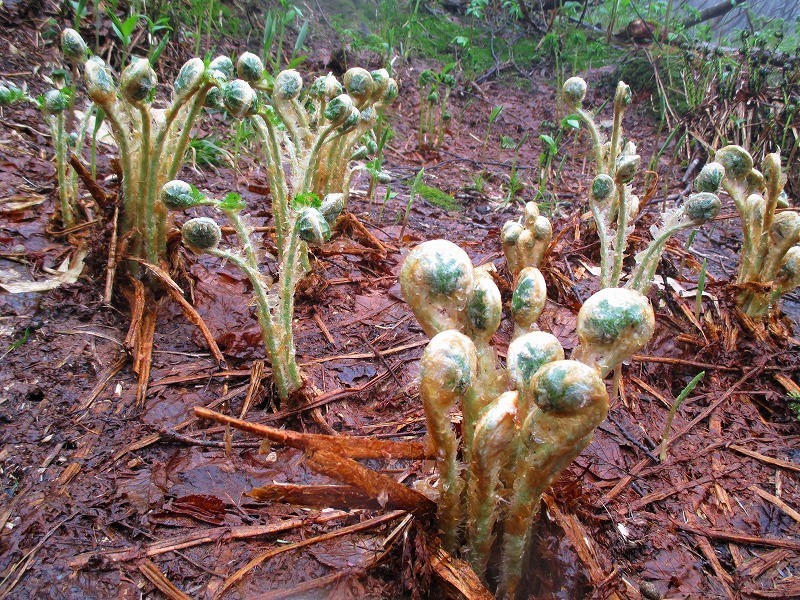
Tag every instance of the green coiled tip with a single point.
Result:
(73, 47)
(710, 178)
(358, 83)
(238, 97)
(312, 227)
(339, 109)
(391, 93)
(736, 161)
(201, 234)
(567, 387)
(178, 195)
(785, 228)
(528, 353)
(702, 207)
(55, 101)
(788, 276)
(99, 83)
(288, 85)
(138, 80)
(627, 166)
(351, 122)
(332, 206)
(574, 91)
(450, 360)
(510, 233)
(484, 306)
(602, 188)
(622, 96)
(221, 69)
(615, 322)
(250, 68)
(189, 77)
(529, 297)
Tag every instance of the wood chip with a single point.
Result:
(776, 501)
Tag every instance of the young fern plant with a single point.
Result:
(525, 243)
(523, 423)
(434, 92)
(614, 205)
(769, 265)
(152, 141)
(320, 134)
(55, 105)
(308, 225)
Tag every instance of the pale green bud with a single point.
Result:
(250, 68)
(623, 96)
(772, 167)
(528, 353)
(702, 207)
(332, 206)
(788, 276)
(710, 178)
(201, 234)
(221, 69)
(238, 97)
(138, 80)
(214, 99)
(510, 233)
(602, 188)
(312, 227)
(530, 213)
(189, 77)
(433, 97)
(627, 167)
(736, 160)
(574, 91)
(177, 195)
(351, 122)
(73, 47)
(55, 102)
(358, 83)
(99, 84)
(566, 387)
(288, 85)
(529, 297)
(392, 90)
(484, 306)
(542, 229)
(613, 324)
(380, 81)
(785, 229)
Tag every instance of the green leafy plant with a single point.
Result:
(276, 22)
(152, 142)
(493, 115)
(522, 424)
(614, 205)
(308, 221)
(769, 264)
(434, 118)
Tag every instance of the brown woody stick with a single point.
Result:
(344, 445)
(376, 485)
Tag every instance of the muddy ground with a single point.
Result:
(101, 495)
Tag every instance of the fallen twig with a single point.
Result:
(346, 446)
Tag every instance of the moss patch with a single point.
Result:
(438, 198)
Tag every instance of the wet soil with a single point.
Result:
(98, 492)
